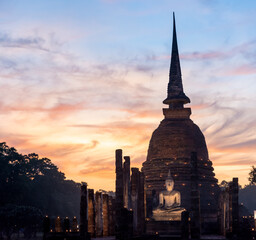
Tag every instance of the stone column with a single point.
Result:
(184, 225)
(46, 226)
(111, 222)
(222, 215)
(74, 225)
(98, 214)
(137, 196)
(134, 193)
(91, 212)
(235, 207)
(224, 211)
(113, 216)
(230, 189)
(195, 224)
(119, 193)
(227, 217)
(105, 215)
(127, 187)
(127, 229)
(66, 224)
(83, 211)
(141, 203)
(58, 227)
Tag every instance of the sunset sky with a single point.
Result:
(82, 78)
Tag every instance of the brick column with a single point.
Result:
(137, 196)
(235, 207)
(111, 221)
(184, 225)
(119, 193)
(98, 214)
(127, 186)
(58, 227)
(195, 224)
(74, 225)
(105, 215)
(91, 212)
(83, 212)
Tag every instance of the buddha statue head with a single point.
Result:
(169, 183)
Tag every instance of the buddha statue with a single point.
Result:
(169, 208)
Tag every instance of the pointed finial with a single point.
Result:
(176, 98)
(174, 36)
(169, 177)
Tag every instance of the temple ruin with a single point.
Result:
(175, 194)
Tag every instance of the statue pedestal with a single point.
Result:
(163, 228)
(168, 215)
(171, 229)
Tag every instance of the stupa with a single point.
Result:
(171, 146)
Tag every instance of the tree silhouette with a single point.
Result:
(33, 184)
(252, 175)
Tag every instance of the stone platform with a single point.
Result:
(163, 228)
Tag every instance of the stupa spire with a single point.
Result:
(176, 97)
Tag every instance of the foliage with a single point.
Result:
(30, 183)
(224, 184)
(247, 196)
(14, 218)
(252, 175)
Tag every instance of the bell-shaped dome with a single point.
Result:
(177, 138)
